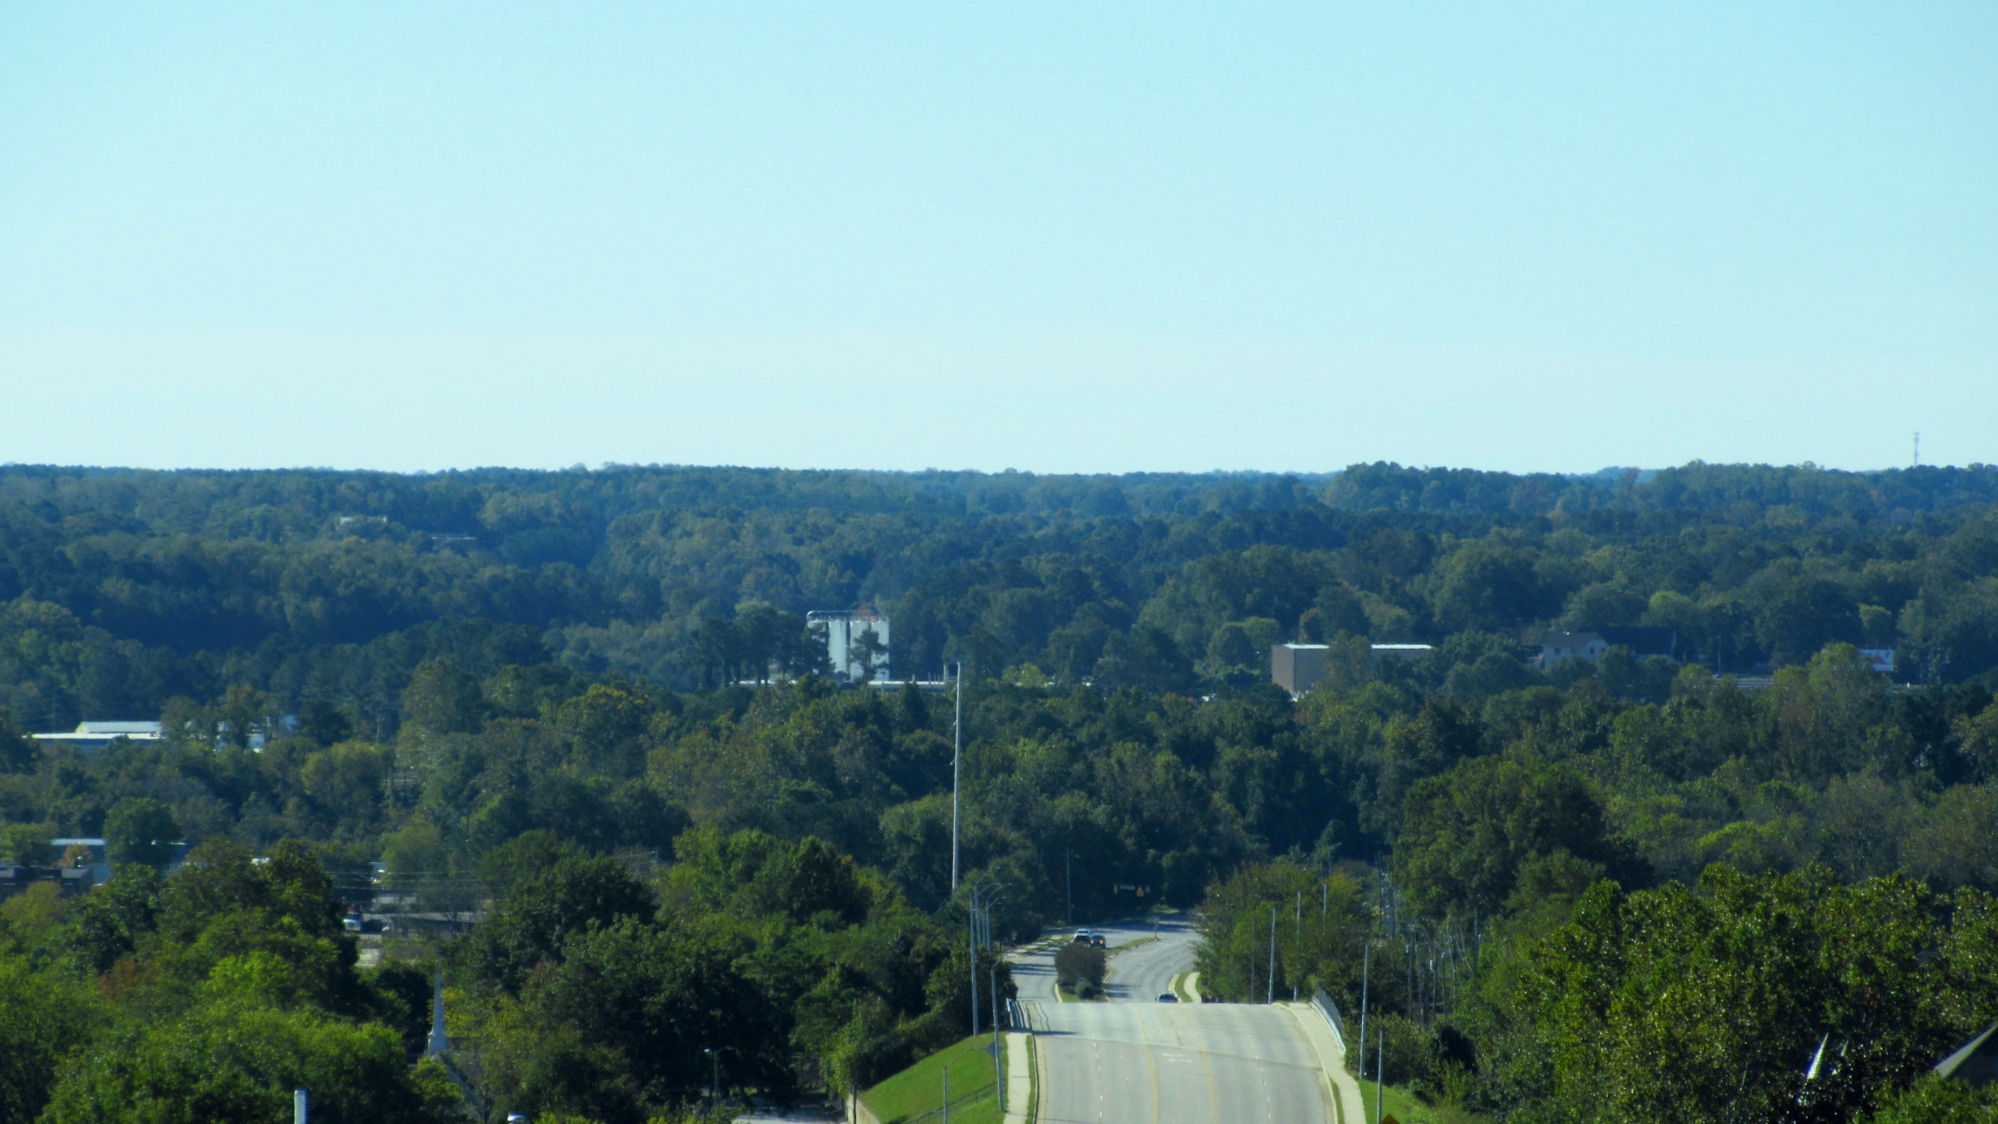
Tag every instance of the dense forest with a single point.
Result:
(585, 708)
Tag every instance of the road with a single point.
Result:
(1134, 1060)
(1145, 956)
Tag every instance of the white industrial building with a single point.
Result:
(847, 648)
(96, 734)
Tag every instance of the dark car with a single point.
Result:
(1096, 940)
(1168, 997)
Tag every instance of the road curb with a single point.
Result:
(1331, 1050)
(1019, 1077)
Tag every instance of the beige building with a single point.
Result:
(1298, 667)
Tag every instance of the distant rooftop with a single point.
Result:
(98, 733)
(120, 729)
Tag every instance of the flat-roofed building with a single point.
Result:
(856, 642)
(94, 735)
(1297, 668)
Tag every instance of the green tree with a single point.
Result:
(141, 830)
(1935, 1100)
(1797, 612)
(1080, 968)
(443, 698)
(1705, 1005)
(1467, 833)
(116, 916)
(18, 752)
(543, 910)
(47, 1014)
(229, 1061)
(28, 843)
(1487, 585)
(350, 781)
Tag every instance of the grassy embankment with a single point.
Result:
(1407, 1108)
(919, 1088)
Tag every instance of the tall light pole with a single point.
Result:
(971, 953)
(1067, 889)
(978, 929)
(1366, 967)
(1269, 985)
(998, 1073)
(956, 762)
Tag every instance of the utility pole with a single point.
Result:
(1269, 985)
(998, 1074)
(978, 929)
(971, 948)
(1414, 1001)
(1366, 966)
(1067, 888)
(956, 762)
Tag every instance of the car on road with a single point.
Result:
(1085, 936)
(1168, 997)
(1096, 940)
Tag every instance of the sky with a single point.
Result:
(1046, 237)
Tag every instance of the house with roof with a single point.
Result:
(1591, 644)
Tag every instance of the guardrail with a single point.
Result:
(1330, 1008)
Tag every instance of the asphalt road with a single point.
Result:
(1144, 957)
(1134, 1060)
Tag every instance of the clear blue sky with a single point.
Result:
(1141, 237)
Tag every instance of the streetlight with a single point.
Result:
(998, 1073)
(984, 895)
(993, 897)
(714, 1074)
(956, 760)
(1366, 969)
(1269, 985)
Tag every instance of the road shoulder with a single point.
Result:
(1331, 1051)
(1019, 1077)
